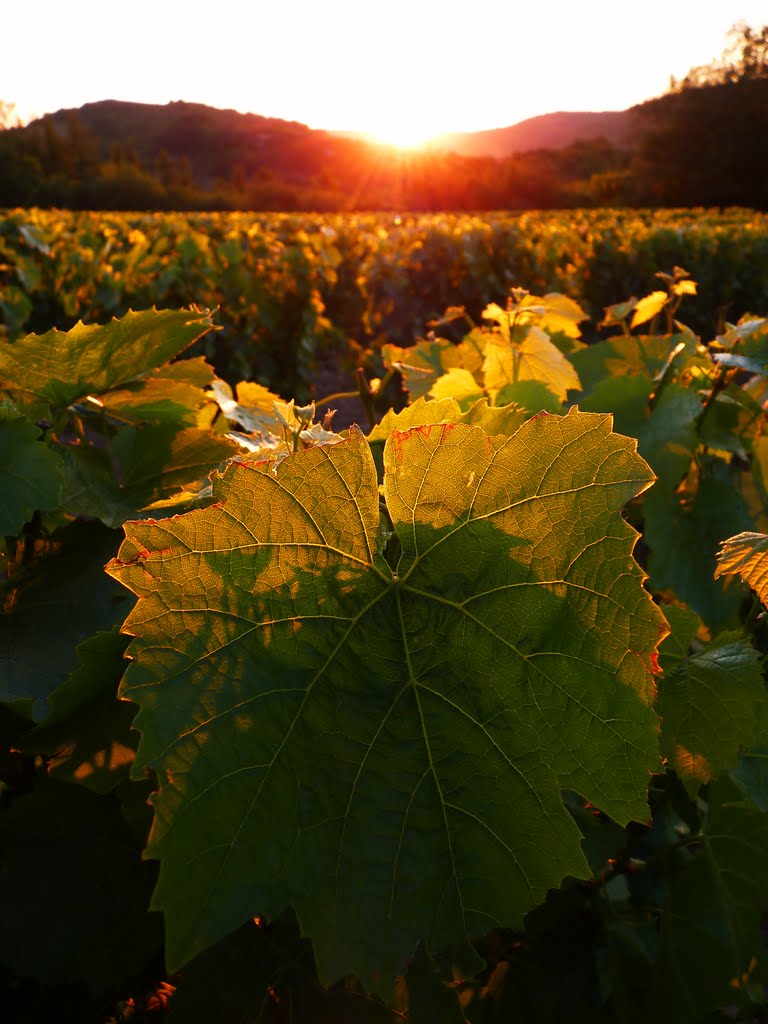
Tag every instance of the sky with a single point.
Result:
(400, 70)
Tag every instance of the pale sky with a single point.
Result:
(419, 67)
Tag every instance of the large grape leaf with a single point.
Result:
(384, 746)
(710, 701)
(57, 368)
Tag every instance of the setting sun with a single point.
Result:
(402, 134)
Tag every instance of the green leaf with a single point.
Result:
(751, 776)
(684, 532)
(747, 555)
(710, 700)
(532, 395)
(625, 356)
(332, 734)
(625, 397)
(75, 889)
(144, 466)
(667, 438)
(30, 473)
(424, 362)
(55, 369)
(87, 734)
(429, 998)
(67, 591)
(710, 931)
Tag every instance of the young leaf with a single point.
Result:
(535, 358)
(423, 363)
(530, 395)
(459, 384)
(647, 308)
(333, 734)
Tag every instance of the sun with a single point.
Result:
(402, 134)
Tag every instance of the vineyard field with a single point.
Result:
(453, 714)
(295, 289)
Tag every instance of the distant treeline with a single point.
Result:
(704, 143)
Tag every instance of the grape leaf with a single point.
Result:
(65, 588)
(145, 465)
(87, 736)
(428, 996)
(747, 555)
(626, 356)
(53, 370)
(493, 420)
(333, 733)
(534, 358)
(459, 384)
(710, 931)
(709, 701)
(30, 473)
(531, 395)
(647, 308)
(423, 363)
(625, 397)
(684, 531)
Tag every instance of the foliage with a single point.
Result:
(462, 718)
(690, 140)
(299, 295)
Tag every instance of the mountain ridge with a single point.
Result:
(151, 126)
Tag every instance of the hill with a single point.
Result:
(118, 155)
(547, 131)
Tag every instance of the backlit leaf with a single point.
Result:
(747, 555)
(647, 308)
(53, 370)
(535, 358)
(459, 384)
(336, 733)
